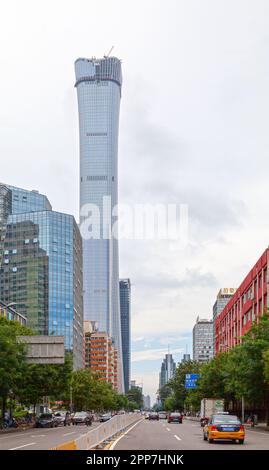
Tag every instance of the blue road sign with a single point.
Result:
(190, 380)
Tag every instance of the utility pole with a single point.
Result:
(71, 398)
(243, 409)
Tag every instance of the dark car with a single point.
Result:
(154, 416)
(162, 415)
(175, 418)
(46, 420)
(63, 418)
(105, 417)
(82, 417)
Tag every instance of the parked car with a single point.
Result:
(63, 418)
(105, 417)
(153, 416)
(82, 417)
(226, 427)
(162, 415)
(46, 420)
(175, 418)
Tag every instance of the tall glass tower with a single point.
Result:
(98, 83)
(125, 313)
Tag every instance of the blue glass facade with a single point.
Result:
(98, 83)
(125, 316)
(28, 201)
(41, 270)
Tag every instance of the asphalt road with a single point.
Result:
(159, 435)
(42, 438)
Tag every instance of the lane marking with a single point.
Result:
(178, 438)
(168, 429)
(68, 433)
(124, 434)
(38, 435)
(25, 445)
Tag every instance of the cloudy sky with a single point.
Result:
(193, 130)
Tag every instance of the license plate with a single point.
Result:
(228, 429)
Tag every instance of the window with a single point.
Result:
(27, 241)
(35, 240)
(14, 270)
(14, 252)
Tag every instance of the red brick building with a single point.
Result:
(248, 303)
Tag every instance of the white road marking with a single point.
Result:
(38, 435)
(178, 438)
(124, 434)
(168, 429)
(68, 433)
(25, 445)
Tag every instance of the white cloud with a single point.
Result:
(152, 354)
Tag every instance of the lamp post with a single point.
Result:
(71, 399)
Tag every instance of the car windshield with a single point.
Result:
(226, 419)
(81, 413)
(45, 416)
(175, 414)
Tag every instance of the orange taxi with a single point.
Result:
(224, 427)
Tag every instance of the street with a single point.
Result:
(159, 435)
(42, 438)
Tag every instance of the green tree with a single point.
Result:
(134, 395)
(41, 380)
(12, 358)
(91, 393)
(177, 384)
(164, 392)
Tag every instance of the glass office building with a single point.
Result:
(168, 370)
(125, 316)
(41, 267)
(98, 83)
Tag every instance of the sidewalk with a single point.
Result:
(19, 428)
(261, 427)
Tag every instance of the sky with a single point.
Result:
(193, 130)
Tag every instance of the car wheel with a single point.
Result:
(241, 441)
(210, 440)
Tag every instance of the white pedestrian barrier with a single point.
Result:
(106, 430)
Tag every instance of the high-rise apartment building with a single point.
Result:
(101, 355)
(125, 315)
(98, 83)
(202, 340)
(41, 266)
(168, 370)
